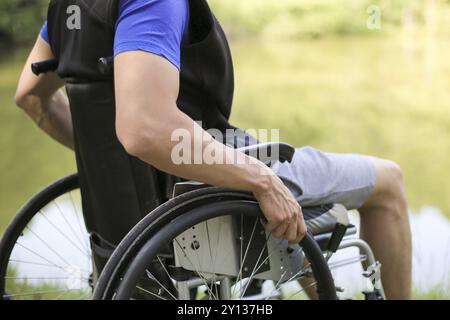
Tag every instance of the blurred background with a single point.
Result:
(359, 76)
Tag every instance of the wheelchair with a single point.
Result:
(204, 243)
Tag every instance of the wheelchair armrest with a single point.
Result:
(266, 152)
(270, 152)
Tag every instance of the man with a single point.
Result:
(172, 66)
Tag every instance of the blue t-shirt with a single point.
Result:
(155, 26)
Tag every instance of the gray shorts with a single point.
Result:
(317, 177)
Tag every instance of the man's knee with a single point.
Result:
(393, 173)
(389, 180)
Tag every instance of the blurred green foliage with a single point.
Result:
(315, 18)
(20, 20)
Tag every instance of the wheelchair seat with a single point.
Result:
(323, 219)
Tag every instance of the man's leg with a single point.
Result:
(385, 226)
(316, 177)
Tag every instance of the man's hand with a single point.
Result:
(283, 213)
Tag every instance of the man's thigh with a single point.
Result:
(317, 177)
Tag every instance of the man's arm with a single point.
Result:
(42, 98)
(147, 88)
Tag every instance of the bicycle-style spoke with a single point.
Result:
(51, 263)
(205, 281)
(86, 253)
(278, 283)
(241, 242)
(40, 278)
(25, 294)
(195, 268)
(302, 290)
(297, 275)
(153, 278)
(214, 283)
(67, 221)
(277, 286)
(40, 256)
(239, 276)
(86, 289)
(150, 293)
(257, 267)
(167, 272)
(48, 246)
(34, 263)
(300, 273)
(82, 229)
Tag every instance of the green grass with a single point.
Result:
(434, 294)
(45, 290)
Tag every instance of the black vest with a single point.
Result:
(118, 189)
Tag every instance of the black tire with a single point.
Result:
(136, 248)
(25, 216)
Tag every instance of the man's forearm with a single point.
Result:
(52, 115)
(153, 144)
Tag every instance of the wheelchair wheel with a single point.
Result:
(45, 251)
(209, 244)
